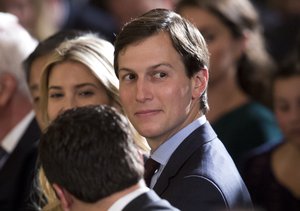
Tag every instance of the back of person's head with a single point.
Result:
(255, 66)
(93, 52)
(185, 37)
(15, 45)
(89, 151)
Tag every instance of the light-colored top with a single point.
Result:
(122, 202)
(10, 141)
(163, 153)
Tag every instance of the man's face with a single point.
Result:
(34, 86)
(155, 91)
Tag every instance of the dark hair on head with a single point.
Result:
(90, 152)
(241, 18)
(186, 40)
(289, 67)
(48, 45)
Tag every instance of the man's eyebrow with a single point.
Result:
(161, 64)
(125, 69)
(151, 67)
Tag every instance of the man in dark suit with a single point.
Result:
(19, 131)
(162, 63)
(89, 156)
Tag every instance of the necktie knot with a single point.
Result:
(150, 167)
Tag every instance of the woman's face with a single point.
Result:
(225, 50)
(287, 107)
(72, 84)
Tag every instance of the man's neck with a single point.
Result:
(155, 142)
(106, 203)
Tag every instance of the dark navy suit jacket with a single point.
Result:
(201, 175)
(149, 201)
(17, 174)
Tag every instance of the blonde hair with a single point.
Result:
(96, 54)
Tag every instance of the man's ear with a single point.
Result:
(64, 197)
(8, 86)
(199, 82)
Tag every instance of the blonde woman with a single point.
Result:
(78, 73)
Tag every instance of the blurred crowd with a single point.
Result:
(49, 49)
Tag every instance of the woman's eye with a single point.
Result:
(55, 95)
(282, 107)
(160, 75)
(86, 93)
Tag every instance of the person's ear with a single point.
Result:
(8, 85)
(199, 82)
(64, 197)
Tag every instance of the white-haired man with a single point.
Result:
(19, 131)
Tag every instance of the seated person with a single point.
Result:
(96, 166)
(272, 172)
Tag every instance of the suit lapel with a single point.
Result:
(196, 139)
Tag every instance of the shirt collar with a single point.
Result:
(122, 202)
(163, 153)
(12, 138)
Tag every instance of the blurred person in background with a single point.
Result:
(27, 11)
(240, 70)
(47, 17)
(19, 131)
(281, 21)
(59, 15)
(125, 10)
(271, 172)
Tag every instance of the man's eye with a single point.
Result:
(129, 77)
(160, 75)
(36, 99)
